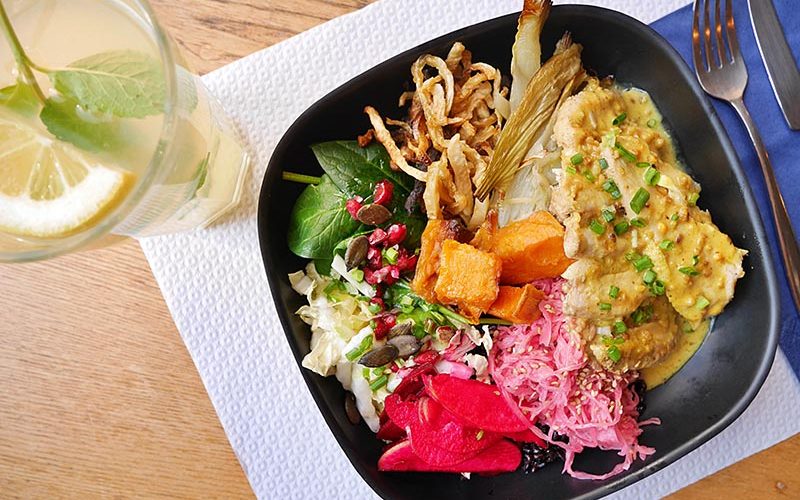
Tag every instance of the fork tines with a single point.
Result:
(721, 48)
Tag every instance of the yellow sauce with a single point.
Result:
(666, 368)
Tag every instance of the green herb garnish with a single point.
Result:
(608, 215)
(597, 227)
(620, 118)
(639, 200)
(638, 222)
(611, 188)
(643, 263)
(652, 176)
(624, 153)
(359, 350)
(689, 270)
(620, 327)
(701, 302)
(576, 159)
(621, 228)
(613, 292)
(604, 306)
(649, 277)
(603, 163)
(666, 245)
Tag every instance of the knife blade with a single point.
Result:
(781, 68)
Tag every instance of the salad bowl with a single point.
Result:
(704, 397)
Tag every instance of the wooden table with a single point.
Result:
(99, 396)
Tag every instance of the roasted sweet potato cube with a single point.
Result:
(530, 249)
(517, 304)
(468, 278)
(436, 232)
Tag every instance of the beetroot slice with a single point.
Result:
(443, 430)
(475, 403)
(503, 456)
(401, 413)
(411, 383)
(389, 431)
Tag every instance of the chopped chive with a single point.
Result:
(597, 227)
(666, 245)
(624, 153)
(643, 164)
(649, 277)
(689, 270)
(589, 175)
(693, 199)
(604, 306)
(407, 300)
(576, 159)
(632, 256)
(570, 169)
(702, 302)
(379, 382)
(658, 287)
(611, 188)
(639, 200)
(652, 122)
(652, 176)
(695, 259)
(390, 255)
(674, 217)
(643, 263)
(608, 215)
(357, 351)
(613, 353)
(357, 274)
(620, 118)
(613, 292)
(687, 328)
(621, 228)
(620, 327)
(638, 222)
(365, 373)
(603, 163)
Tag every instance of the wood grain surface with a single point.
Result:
(98, 395)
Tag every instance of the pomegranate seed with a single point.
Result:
(353, 205)
(379, 301)
(396, 234)
(381, 329)
(383, 192)
(390, 320)
(374, 258)
(407, 262)
(378, 236)
(426, 357)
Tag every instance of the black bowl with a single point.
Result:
(702, 399)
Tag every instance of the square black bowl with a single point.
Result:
(703, 398)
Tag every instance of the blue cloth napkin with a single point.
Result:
(782, 143)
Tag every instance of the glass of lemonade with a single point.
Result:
(103, 130)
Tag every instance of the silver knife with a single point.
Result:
(781, 68)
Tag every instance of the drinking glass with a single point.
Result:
(104, 130)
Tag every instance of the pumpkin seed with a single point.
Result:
(379, 356)
(351, 409)
(356, 252)
(399, 329)
(406, 345)
(373, 214)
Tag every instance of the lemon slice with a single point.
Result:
(49, 188)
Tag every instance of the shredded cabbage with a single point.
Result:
(335, 318)
(544, 374)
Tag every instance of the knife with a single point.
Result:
(781, 68)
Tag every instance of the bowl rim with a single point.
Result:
(271, 174)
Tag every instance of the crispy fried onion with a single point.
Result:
(449, 134)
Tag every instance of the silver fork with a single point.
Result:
(723, 74)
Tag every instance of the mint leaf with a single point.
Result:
(125, 83)
(63, 121)
(20, 97)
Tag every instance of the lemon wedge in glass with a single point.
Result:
(50, 189)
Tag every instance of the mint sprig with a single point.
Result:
(94, 92)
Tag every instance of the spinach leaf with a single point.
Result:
(356, 170)
(319, 221)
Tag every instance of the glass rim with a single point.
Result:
(151, 172)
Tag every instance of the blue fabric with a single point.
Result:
(783, 144)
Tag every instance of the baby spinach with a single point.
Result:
(319, 221)
(356, 170)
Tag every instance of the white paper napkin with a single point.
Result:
(214, 282)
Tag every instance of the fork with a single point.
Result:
(722, 74)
